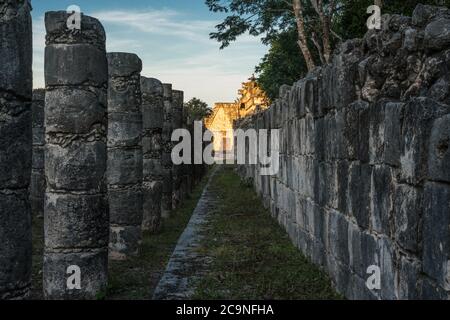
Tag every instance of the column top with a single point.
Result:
(151, 86)
(121, 64)
(91, 30)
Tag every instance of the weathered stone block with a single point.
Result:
(437, 34)
(419, 115)
(430, 291)
(125, 206)
(381, 199)
(75, 64)
(15, 236)
(407, 212)
(387, 267)
(75, 221)
(124, 130)
(15, 143)
(122, 64)
(358, 192)
(439, 151)
(153, 169)
(392, 133)
(93, 267)
(123, 95)
(152, 206)
(436, 234)
(124, 241)
(409, 279)
(58, 33)
(76, 111)
(124, 166)
(16, 51)
(80, 166)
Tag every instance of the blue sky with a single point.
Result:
(171, 38)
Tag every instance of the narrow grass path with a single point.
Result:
(137, 278)
(252, 257)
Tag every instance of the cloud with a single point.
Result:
(174, 48)
(160, 22)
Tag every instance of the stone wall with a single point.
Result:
(364, 175)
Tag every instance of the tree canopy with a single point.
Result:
(197, 109)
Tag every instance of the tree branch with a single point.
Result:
(302, 39)
(318, 47)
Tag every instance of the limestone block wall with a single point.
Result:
(364, 175)
(37, 185)
(76, 206)
(15, 148)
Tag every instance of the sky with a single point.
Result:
(172, 39)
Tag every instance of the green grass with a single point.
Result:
(252, 257)
(136, 278)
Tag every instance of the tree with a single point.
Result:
(197, 109)
(269, 18)
(282, 64)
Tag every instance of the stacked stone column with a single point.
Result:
(76, 206)
(153, 118)
(124, 154)
(166, 201)
(37, 187)
(186, 178)
(15, 148)
(177, 170)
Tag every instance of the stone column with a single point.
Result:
(153, 115)
(166, 202)
(124, 154)
(37, 187)
(185, 180)
(177, 123)
(15, 148)
(76, 206)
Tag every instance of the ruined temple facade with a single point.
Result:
(252, 99)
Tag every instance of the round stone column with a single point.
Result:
(177, 123)
(37, 187)
(124, 154)
(153, 114)
(15, 148)
(76, 205)
(166, 202)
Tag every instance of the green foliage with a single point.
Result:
(283, 64)
(257, 17)
(197, 109)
